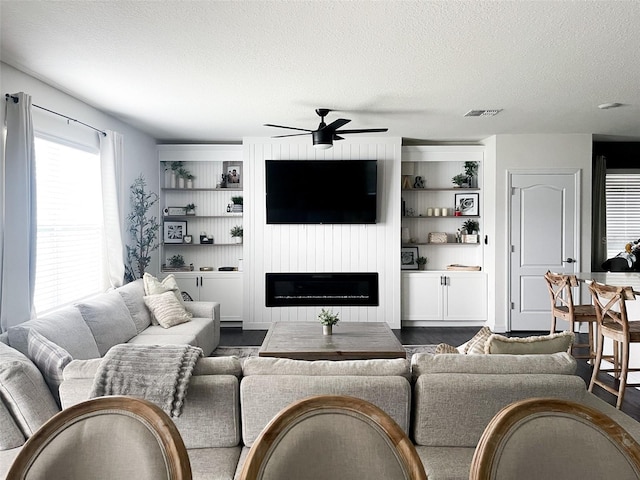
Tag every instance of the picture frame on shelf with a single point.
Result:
(174, 232)
(409, 258)
(232, 172)
(187, 239)
(468, 204)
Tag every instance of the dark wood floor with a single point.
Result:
(452, 336)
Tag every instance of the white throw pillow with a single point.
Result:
(166, 309)
(153, 286)
(475, 346)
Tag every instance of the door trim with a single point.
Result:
(577, 175)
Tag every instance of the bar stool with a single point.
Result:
(613, 323)
(562, 306)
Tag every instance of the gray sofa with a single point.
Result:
(85, 331)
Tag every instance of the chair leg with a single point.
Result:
(623, 375)
(596, 366)
(553, 325)
(592, 352)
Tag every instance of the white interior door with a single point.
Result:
(544, 226)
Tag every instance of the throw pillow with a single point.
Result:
(446, 348)
(544, 344)
(49, 358)
(153, 286)
(166, 309)
(476, 344)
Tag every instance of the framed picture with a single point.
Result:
(408, 258)
(174, 232)
(187, 239)
(467, 203)
(232, 172)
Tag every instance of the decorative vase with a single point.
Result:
(173, 180)
(327, 329)
(237, 239)
(189, 183)
(181, 182)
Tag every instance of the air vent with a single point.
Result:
(483, 113)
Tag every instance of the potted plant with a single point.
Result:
(190, 177)
(237, 233)
(461, 180)
(471, 171)
(191, 209)
(175, 167)
(470, 229)
(176, 261)
(328, 319)
(422, 262)
(237, 204)
(182, 175)
(143, 229)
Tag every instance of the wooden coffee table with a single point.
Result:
(350, 341)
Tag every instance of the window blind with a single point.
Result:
(69, 224)
(622, 210)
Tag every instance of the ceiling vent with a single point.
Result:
(483, 113)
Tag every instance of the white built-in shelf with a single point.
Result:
(448, 244)
(167, 189)
(448, 189)
(191, 217)
(436, 217)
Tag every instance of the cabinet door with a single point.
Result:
(227, 290)
(421, 296)
(465, 297)
(189, 284)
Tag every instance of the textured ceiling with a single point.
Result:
(216, 71)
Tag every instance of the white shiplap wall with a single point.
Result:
(322, 248)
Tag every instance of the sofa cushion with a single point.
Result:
(556, 363)
(10, 434)
(166, 309)
(24, 391)
(109, 320)
(201, 332)
(64, 327)
(50, 360)
(446, 463)
(132, 294)
(454, 409)
(153, 286)
(446, 348)
(263, 396)
(557, 342)
(285, 366)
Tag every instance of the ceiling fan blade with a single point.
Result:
(338, 137)
(290, 128)
(336, 124)
(290, 135)
(362, 130)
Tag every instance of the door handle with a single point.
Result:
(568, 260)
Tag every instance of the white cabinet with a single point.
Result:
(222, 287)
(444, 297)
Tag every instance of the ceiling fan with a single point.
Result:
(324, 135)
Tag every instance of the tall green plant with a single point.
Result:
(143, 229)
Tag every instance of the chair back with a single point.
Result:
(610, 304)
(332, 436)
(554, 438)
(559, 286)
(105, 438)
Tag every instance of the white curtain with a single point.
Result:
(19, 223)
(111, 153)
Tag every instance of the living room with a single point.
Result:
(510, 142)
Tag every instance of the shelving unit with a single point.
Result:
(438, 296)
(207, 163)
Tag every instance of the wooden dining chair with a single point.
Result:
(552, 438)
(562, 306)
(105, 438)
(613, 323)
(326, 437)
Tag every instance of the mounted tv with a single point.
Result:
(321, 191)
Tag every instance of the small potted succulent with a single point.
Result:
(191, 209)
(237, 233)
(471, 227)
(237, 204)
(176, 261)
(461, 180)
(328, 319)
(422, 262)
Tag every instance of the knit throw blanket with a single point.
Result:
(157, 373)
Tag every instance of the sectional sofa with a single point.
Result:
(442, 401)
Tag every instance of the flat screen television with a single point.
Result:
(321, 191)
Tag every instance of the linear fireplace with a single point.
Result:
(321, 289)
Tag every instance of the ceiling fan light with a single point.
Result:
(322, 139)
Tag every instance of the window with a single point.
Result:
(623, 210)
(69, 224)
